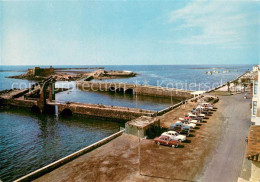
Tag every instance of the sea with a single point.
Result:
(30, 141)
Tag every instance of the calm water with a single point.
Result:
(28, 142)
(188, 77)
(115, 99)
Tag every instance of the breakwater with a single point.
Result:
(133, 89)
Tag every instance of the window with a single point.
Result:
(255, 87)
(254, 107)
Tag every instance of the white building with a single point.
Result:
(255, 116)
(253, 147)
(256, 68)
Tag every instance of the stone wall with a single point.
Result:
(112, 112)
(40, 172)
(138, 89)
(162, 92)
(141, 125)
(23, 103)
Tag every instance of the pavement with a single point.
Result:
(226, 161)
(214, 152)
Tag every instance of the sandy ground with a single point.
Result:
(174, 115)
(192, 161)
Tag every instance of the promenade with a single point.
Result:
(210, 145)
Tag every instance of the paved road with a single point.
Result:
(226, 162)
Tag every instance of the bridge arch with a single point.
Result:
(111, 89)
(129, 91)
(66, 112)
(35, 109)
(120, 90)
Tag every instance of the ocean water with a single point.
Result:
(29, 141)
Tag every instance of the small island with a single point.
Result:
(72, 74)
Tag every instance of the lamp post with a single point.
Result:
(139, 153)
(171, 98)
(136, 101)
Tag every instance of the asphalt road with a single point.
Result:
(225, 163)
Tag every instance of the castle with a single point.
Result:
(37, 71)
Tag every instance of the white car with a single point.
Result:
(174, 135)
(194, 121)
(191, 125)
(193, 115)
(207, 105)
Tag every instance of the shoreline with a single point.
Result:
(219, 86)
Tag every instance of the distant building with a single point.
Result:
(256, 68)
(255, 115)
(37, 71)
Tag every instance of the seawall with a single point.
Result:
(133, 89)
(102, 111)
(35, 174)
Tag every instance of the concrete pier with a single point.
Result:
(133, 89)
(101, 111)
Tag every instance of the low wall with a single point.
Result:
(161, 112)
(162, 92)
(46, 169)
(22, 103)
(119, 113)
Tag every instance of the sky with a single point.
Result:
(129, 32)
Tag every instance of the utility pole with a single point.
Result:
(139, 153)
(136, 102)
(171, 98)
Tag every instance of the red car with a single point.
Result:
(187, 118)
(166, 140)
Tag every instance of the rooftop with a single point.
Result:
(142, 121)
(253, 147)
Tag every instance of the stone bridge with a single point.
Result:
(101, 111)
(21, 98)
(133, 89)
(45, 102)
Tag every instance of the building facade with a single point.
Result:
(256, 68)
(255, 111)
(253, 147)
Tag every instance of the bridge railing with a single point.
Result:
(102, 106)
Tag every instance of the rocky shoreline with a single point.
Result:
(68, 74)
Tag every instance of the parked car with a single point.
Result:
(166, 140)
(198, 114)
(176, 127)
(202, 109)
(207, 105)
(174, 135)
(182, 119)
(190, 118)
(185, 131)
(187, 123)
(195, 117)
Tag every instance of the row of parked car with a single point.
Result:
(178, 131)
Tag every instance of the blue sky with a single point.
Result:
(129, 32)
